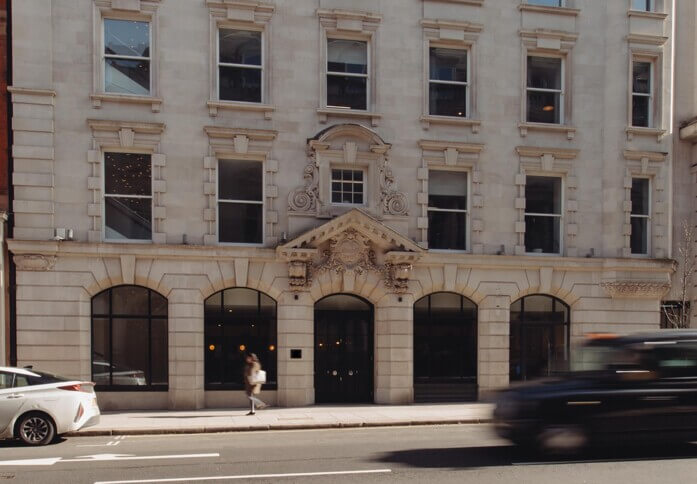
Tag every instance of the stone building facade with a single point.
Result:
(446, 194)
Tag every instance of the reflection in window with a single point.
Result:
(127, 57)
(127, 196)
(347, 73)
(543, 214)
(448, 82)
(643, 5)
(240, 68)
(129, 338)
(447, 210)
(238, 321)
(539, 339)
(640, 216)
(348, 186)
(240, 201)
(545, 93)
(641, 94)
(547, 3)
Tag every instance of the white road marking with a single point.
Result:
(49, 461)
(250, 476)
(115, 441)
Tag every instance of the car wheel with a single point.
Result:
(36, 429)
(562, 439)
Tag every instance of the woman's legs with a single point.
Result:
(251, 404)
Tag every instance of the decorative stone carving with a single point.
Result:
(636, 289)
(34, 262)
(397, 275)
(299, 274)
(306, 197)
(351, 251)
(393, 202)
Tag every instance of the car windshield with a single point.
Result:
(44, 378)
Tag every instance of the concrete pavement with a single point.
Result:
(276, 418)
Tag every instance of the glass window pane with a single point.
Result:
(447, 100)
(644, 5)
(127, 38)
(640, 196)
(130, 353)
(350, 92)
(240, 180)
(447, 189)
(100, 351)
(100, 303)
(158, 343)
(127, 76)
(240, 300)
(342, 302)
(446, 300)
(128, 218)
(543, 107)
(546, 3)
(240, 222)
(127, 174)
(213, 305)
(158, 303)
(641, 77)
(239, 84)
(240, 47)
(543, 194)
(448, 64)
(130, 301)
(639, 238)
(446, 230)
(544, 72)
(347, 56)
(539, 304)
(640, 111)
(542, 234)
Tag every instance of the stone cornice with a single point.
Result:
(335, 14)
(640, 155)
(558, 153)
(642, 14)
(437, 145)
(549, 34)
(477, 3)
(452, 25)
(646, 39)
(231, 133)
(31, 91)
(136, 126)
(636, 289)
(565, 11)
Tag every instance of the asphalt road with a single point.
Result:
(435, 454)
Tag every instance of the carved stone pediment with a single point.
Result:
(352, 243)
(636, 289)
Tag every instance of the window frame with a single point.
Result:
(467, 48)
(561, 91)
(149, 387)
(562, 207)
(364, 184)
(246, 202)
(104, 197)
(648, 216)
(261, 67)
(649, 95)
(467, 211)
(104, 56)
(368, 76)
(560, 3)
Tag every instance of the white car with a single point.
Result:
(36, 406)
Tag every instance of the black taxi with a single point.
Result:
(633, 389)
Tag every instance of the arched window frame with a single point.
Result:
(269, 365)
(110, 316)
(522, 323)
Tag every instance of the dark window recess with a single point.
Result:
(129, 339)
(543, 214)
(240, 202)
(347, 186)
(448, 79)
(673, 313)
(127, 196)
(447, 210)
(347, 74)
(539, 339)
(641, 94)
(296, 354)
(239, 65)
(639, 240)
(237, 322)
(544, 90)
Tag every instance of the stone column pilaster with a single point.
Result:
(394, 349)
(493, 342)
(186, 373)
(296, 328)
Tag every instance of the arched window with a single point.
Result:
(238, 321)
(539, 341)
(445, 348)
(129, 339)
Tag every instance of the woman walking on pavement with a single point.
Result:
(251, 388)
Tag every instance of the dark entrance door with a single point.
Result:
(343, 350)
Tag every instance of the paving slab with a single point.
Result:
(277, 418)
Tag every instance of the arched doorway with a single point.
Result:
(343, 350)
(539, 341)
(445, 348)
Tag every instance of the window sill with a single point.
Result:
(641, 131)
(326, 113)
(214, 106)
(428, 119)
(478, 3)
(565, 11)
(644, 14)
(550, 128)
(99, 98)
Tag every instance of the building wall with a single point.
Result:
(63, 125)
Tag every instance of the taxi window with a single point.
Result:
(678, 360)
(21, 381)
(5, 380)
